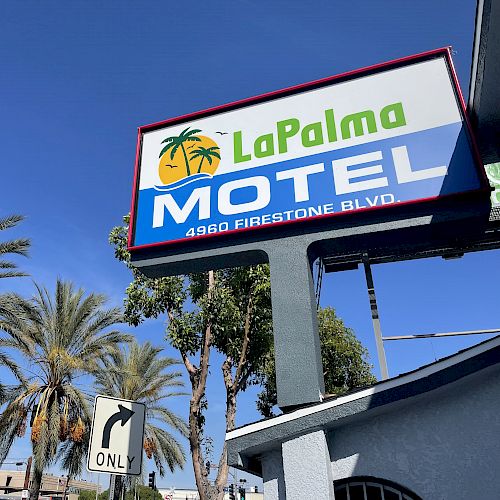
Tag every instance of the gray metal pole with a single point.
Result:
(375, 318)
(447, 334)
(112, 480)
(97, 489)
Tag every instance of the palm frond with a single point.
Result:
(18, 246)
(12, 274)
(165, 415)
(7, 265)
(10, 420)
(10, 221)
(167, 449)
(11, 365)
(174, 150)
(190, 134)
(170, 144)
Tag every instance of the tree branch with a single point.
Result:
(246, 341)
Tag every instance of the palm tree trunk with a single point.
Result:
(186, 159)
(201, 162)
(36, 482)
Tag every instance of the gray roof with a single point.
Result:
(246, 443)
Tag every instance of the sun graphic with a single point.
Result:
(191, 156)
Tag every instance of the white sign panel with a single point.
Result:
(117, 437)
(380, 137)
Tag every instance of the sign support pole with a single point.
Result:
(112, 479)
(375, 318)
(299, 370)
(97, 489)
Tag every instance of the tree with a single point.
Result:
(344, 362)
(18, 246)
(60, 339)
(86, 495)
(144, 493)
(205, 154)
(175, 142)
(232, 313)
(139, 373)
(90, 495)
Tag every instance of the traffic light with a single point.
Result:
(241, 491)
(151, 480)
(231, 492)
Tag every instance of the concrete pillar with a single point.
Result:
(299, 371)
(272, 475)
(307, 468)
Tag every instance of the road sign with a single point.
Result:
(117, 436)
(393, 134)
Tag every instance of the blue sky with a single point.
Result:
(79, 77)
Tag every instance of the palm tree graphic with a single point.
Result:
(175, 142)
(205, 153)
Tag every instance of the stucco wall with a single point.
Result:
(273, 476)
(444, 445)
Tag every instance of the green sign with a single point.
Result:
(493, 173)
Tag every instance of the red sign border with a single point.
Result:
(424, 56)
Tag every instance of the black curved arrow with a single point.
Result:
(122, 414)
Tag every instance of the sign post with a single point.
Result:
(376, 161)
(116, 440)
(112, 484)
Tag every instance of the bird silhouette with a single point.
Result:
(222, 133)
(191, 147)
(171, 166)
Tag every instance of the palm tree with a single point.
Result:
(18, 246)
(60, 338)
(175, 142)
(140, 374)
(205, 153)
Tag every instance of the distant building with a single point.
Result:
(192, 494)
(52, 488)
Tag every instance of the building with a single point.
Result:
(192, 494)
(430, 434)
(12, 485)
